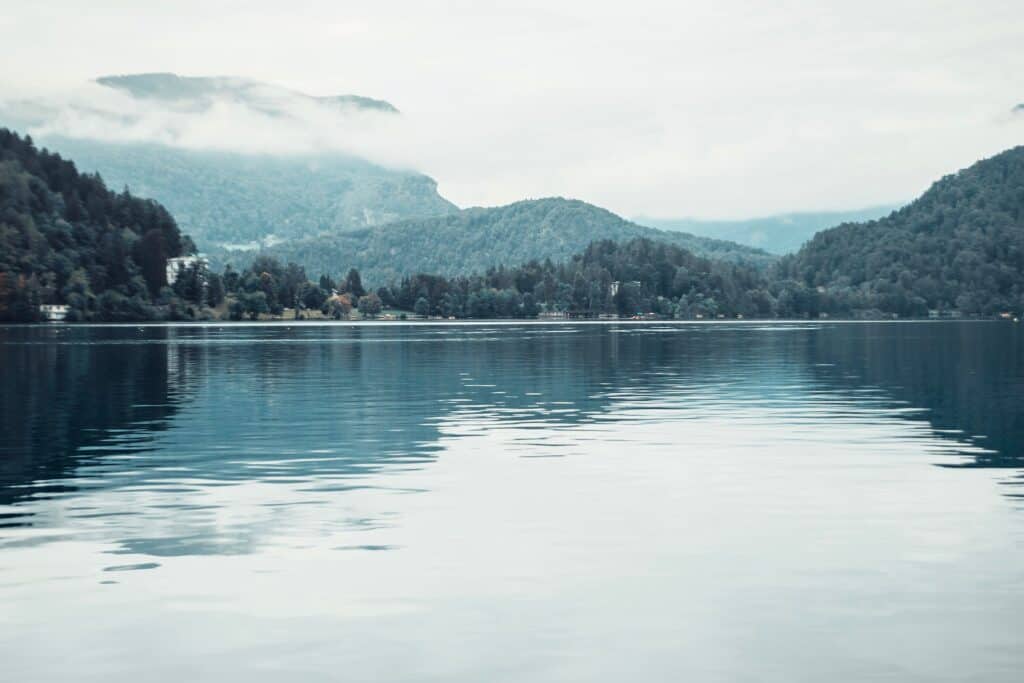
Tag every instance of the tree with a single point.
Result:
(152, 258)
(231, 279)
(214, 290)
(312, 296)
(236, 310)
(292, 281)
(268, 285)
(190, 283)
(422, 307)
(354, 284)
(254, 303)
(370, 305)
(339, 306)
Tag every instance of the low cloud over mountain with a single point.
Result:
(212, 113)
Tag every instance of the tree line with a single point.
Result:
(638, 277)
(66, 239)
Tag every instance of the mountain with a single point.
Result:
(66, 239)
(960, 246)
(203, 91)
(476, 239)
(780, 234)
(159, 137)
(231, 199)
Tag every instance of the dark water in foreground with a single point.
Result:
(714, 502)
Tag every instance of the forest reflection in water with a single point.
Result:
(127, 450)
(74, 397)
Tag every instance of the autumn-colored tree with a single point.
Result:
(340, 306)
(370, 305)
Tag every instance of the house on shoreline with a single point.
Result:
(180, 264)
(54, 313)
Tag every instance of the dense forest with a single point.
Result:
(635, 278)
(617, 278)
(959, 248)
(66, 238)
(473, 240)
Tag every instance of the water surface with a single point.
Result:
(520, 502)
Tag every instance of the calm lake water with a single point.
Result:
(522, 502)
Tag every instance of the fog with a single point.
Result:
(717, 109)
(269, 120)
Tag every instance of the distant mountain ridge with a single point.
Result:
(778, 234)
(473, 240)
(203, 90)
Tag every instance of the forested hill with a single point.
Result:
(66, 238)
(959, 247)
(229, 198)
(476, 239)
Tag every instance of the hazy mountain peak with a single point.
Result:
(203, 90)
(777, 234)
(170, 86)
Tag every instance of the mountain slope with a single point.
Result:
(476, 239)
(960, 246)
(226, 198)
(780, 234)
(66, 239)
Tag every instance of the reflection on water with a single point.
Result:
(521, 502)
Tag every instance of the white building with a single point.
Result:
(614, 287)
(54, 312)
(179, 264)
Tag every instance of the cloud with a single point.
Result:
(714, 108)
(268, 120)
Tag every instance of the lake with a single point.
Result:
(513, 502)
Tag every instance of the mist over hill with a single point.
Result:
(203, 91)
(238, 162)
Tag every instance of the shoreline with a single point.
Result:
(499, 321)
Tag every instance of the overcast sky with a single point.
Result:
(716, 108)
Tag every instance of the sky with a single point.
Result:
(710, 109)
